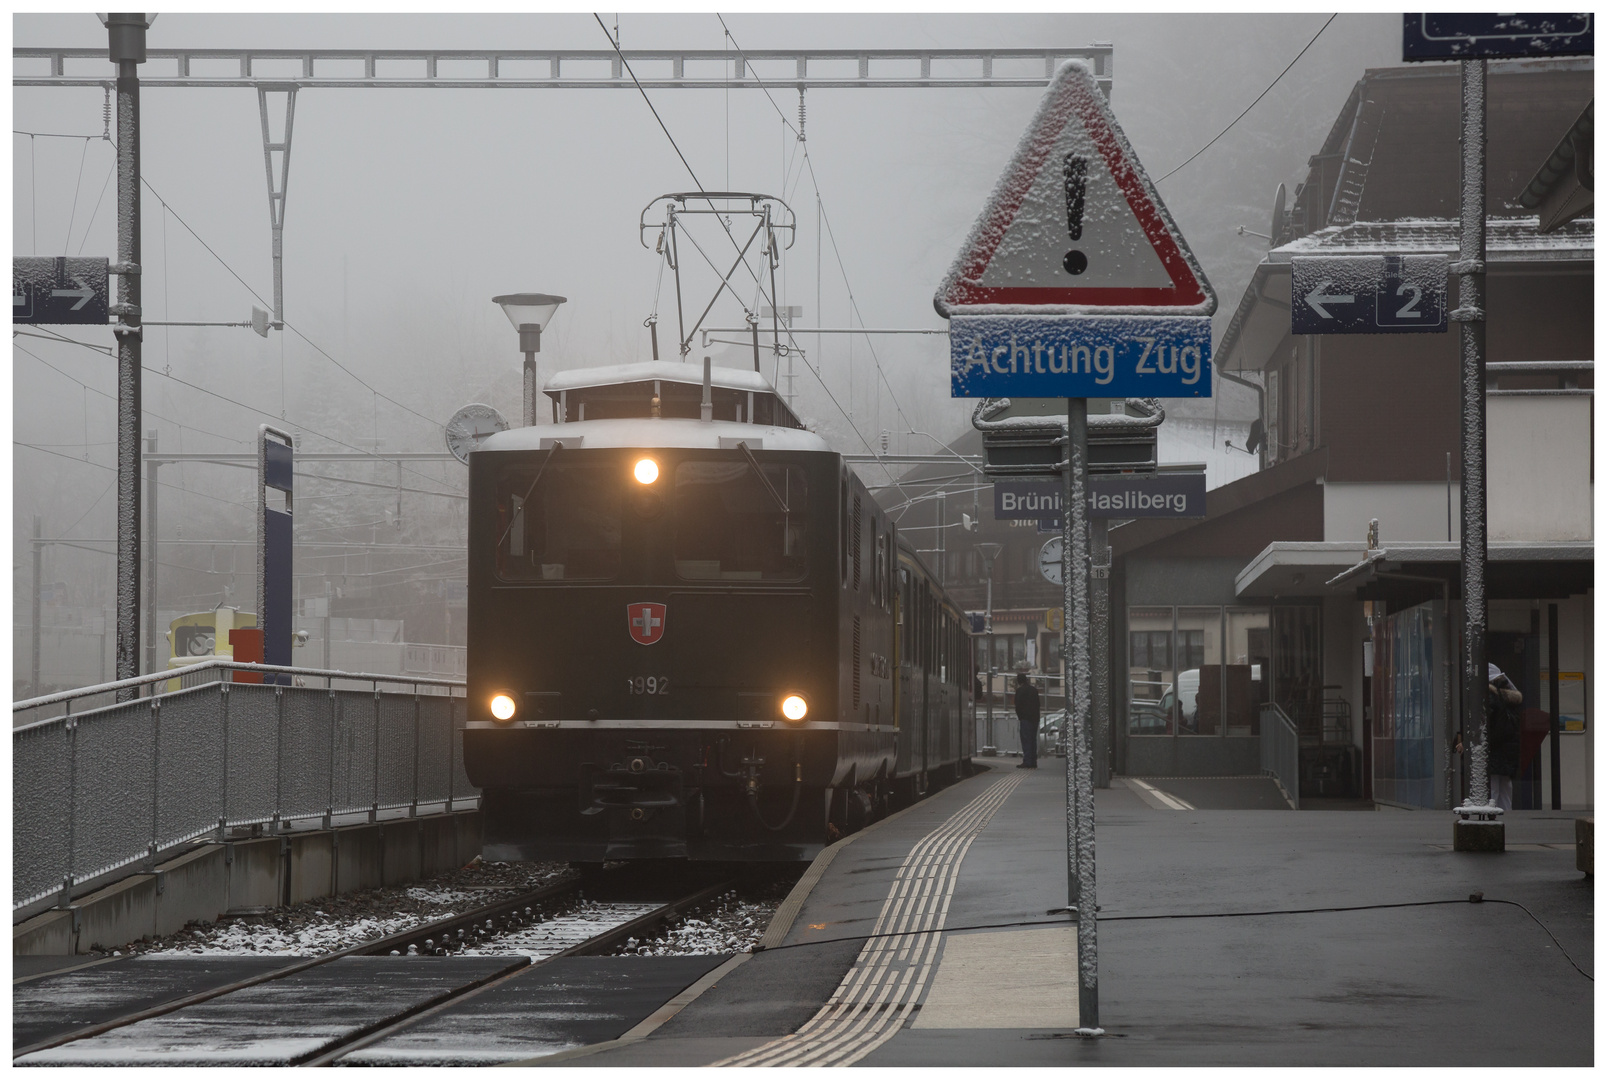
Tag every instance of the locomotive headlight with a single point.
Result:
(503, 707)
(646, 471)
(794, 707)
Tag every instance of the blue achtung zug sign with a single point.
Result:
(1080, 355)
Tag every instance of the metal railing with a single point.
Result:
(1280, 751)
(100, 789)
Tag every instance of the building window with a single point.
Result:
(1199, 671)
(1152, 648)
(1149, 671)
(1198, 697)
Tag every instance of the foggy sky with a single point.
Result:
(408, 209)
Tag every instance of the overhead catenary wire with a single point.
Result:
(221, 397)
(233, 273)
(1254, 103)
(286, 323)
(693, 173)
(222, 262)
(113, 397)
(808, 163)
(674, 145)
(77, 186)
(113, 469)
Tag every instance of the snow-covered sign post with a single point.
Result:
(1473, 39)
(1075, 283)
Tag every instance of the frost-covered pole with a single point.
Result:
(126, 49)
(1099, 610)
(1075, 650)
(1470, 312)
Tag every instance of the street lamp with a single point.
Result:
(529, 313)
(989, 553)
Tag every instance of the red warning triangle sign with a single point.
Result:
(1074, 225)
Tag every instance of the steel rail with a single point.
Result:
(592, 946)
(378, 946)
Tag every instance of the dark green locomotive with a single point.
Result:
(695, 638)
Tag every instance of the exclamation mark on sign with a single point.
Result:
(1075, 261)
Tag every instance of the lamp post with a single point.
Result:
(989, 553)
(529, 313)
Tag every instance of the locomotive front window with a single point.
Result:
(731, 525)
(561, 523)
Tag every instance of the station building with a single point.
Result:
(1284, 604)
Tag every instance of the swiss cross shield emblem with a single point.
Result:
(646, 622)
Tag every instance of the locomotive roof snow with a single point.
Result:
(663, 371)
(673, 432)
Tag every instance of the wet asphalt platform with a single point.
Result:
(924, 940)
(1457, 984)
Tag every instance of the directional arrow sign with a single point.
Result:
(1317, 297)
(59, 290)
(1368, 294)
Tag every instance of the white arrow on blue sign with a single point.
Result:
(59, 290)
(1368, 294)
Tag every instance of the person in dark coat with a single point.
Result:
(1501, 736)
(1027, 714)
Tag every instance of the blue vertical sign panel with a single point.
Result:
(278, 568)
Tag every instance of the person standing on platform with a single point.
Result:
(1501, 737)
(1027, 713)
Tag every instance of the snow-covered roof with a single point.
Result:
(1318, 567)
(662, 370)
(1262, 317)
(1506, 240)
(669, 432)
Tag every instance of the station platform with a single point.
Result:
(1199, 962)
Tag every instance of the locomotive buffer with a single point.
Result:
(1113, 306)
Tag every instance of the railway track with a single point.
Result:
(397, 980)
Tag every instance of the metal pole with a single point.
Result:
(126, 48)
(1075, 656)
(991, 749)
(1470, 312)
(942, 547)
(1099, 609)
(530, 389)
(1556, 707)
(38, 581)
(150, 555)
(276, 191)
